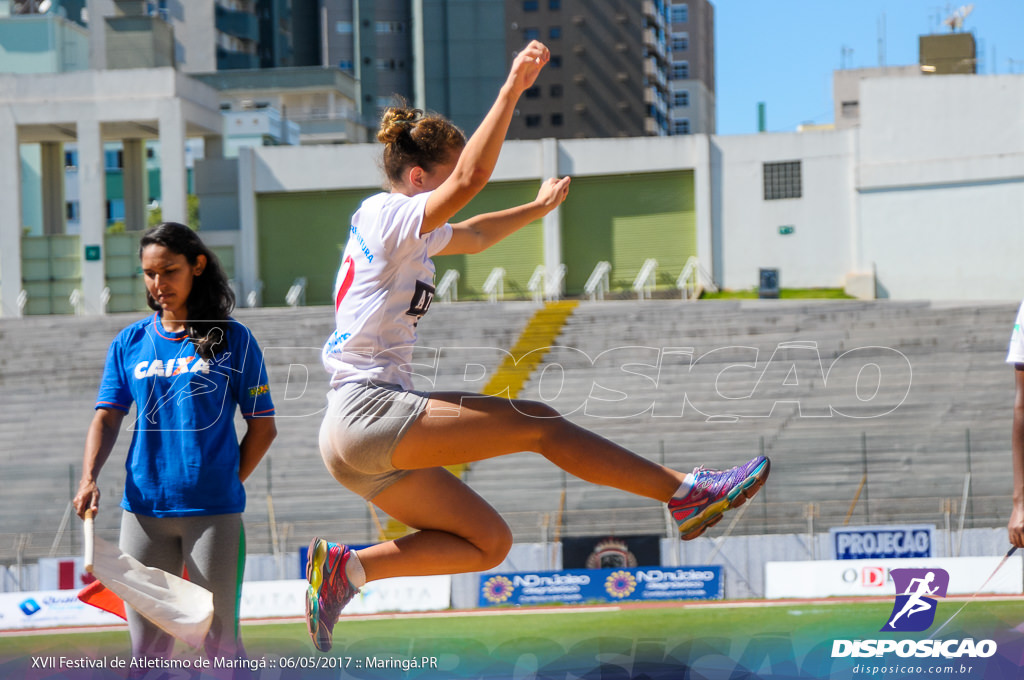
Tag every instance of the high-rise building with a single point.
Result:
(691, 76)
(622, 68)
(195, 36)
(372, 41)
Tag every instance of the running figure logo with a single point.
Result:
(916, 590)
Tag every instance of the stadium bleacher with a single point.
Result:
(831, 390)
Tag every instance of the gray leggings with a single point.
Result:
(212, 549)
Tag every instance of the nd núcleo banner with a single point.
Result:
(579, 586)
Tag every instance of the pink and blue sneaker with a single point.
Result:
(329, 590)
(713, 492)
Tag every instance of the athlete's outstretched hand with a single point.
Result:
(527, 65)
(552, 192)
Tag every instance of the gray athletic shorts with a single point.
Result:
(362, 427)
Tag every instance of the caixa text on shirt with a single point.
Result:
(171, 368)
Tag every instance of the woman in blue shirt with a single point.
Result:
(187, 368)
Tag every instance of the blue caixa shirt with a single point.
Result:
(184, 455)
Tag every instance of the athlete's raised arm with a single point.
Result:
(478, 158)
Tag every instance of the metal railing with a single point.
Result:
(254, 296)
(536, 284)
(597, 285)
(643, 284)
(448, 288)
(296, 295)
(694, 280)
(494, 286)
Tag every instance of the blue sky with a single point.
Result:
(783, 52)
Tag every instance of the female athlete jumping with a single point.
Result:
(389, 443)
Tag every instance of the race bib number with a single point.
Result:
(421, 299)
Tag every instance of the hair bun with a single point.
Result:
(396, 121)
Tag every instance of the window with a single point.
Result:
(533, 120)
(113, 160)
(555, 32)
(533, 92)
(782, 180)
(556, 90)
(680, 41)
(71, 210)
(681, 98)
(557, 119)
(390, 27)
(681, 126)
(531, 34)
(680, 70)
(71, 160)
(554, 4)
(555, 61)
(850, 109)
(680, 13)
(347, 65)
(343, 27)
(531, 5)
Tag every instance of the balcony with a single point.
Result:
(242, 25)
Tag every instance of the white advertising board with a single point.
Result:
(831, 578)
(260, 600)
(49, 608)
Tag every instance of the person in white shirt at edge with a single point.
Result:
(1015, 356)
(389, 443)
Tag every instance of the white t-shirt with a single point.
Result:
(1015, 355)
(383, 288)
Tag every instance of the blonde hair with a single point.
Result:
(413, 138)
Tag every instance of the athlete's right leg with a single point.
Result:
(458, 531)
(153, 542)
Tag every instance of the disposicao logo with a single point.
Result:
(29, 607)
(914, 611)
(916, 590)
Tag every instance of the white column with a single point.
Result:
(92, 187)
(52, 184)
(136, 184)
(10, 216)
(247, 260)
(173, 184)
(553, 220)
(703, 205)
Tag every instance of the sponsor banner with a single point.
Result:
(828, 578)
(882, 542)
(260, 600)
(578, 586)
(276, 599)
(49, 608)
(611, 552)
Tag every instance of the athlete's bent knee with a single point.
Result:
(494, 548)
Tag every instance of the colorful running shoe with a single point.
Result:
(714, 492)
(329, 590)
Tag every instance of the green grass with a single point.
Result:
(784, 294)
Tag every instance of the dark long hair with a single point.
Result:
(211, 299)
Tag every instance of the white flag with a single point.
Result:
(178, 607)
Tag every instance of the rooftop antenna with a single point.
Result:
(955, 21)
(846, 57)
(881, 40)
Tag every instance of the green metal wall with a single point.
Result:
(51, 267)
(626, 219)
(519, 254)
(303, 234)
